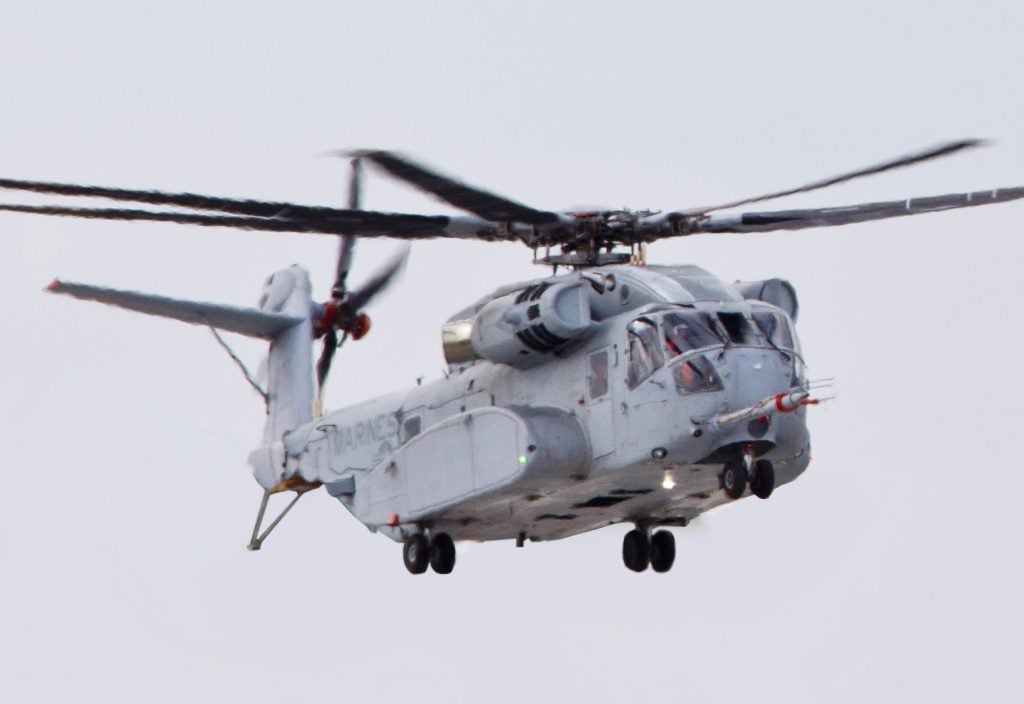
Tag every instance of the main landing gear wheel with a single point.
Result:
(663, 551)
(763, 482)
(636, 550)
(416, 554)
(442, 553)
(734, 479)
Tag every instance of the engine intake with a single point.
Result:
(778, 292)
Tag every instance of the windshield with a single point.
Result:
(688, 331)
(775, 327)
(696, 374)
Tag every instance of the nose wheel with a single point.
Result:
(734, 478)
(437, 552)
(641, 550)
(762, 484)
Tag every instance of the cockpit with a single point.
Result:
(682, 338)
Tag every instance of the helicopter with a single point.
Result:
(614, 392)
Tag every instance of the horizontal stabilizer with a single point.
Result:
(245, 321)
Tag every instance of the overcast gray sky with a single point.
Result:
(890, 571)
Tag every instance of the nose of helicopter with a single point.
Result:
(782, 402)
(758, 387)
(751, 375)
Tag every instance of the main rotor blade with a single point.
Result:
(194, 201)
(473, 200)
(916, 158)
(864, 212)
(361, 222)
(384, 277)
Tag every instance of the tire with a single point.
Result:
(734, 479)
(663, 551)
(416, 554)
(636, 550)
(762, 484)
(442, 553)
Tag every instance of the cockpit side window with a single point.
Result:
(688, 331)
(644, 351)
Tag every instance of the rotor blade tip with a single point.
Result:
(973, 142)
(350, 153)
(333, 154)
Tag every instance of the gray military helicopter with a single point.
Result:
(617, 392)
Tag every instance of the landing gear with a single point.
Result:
(296, 484)
(442, 553)
(663, 551)
(640, 549)
(734, 478)
(636, 550)
(418, 553)
(763, 482)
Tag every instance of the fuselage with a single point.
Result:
(633, 421)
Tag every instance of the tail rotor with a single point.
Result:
(344, 310)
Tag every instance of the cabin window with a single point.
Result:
(737, 328)
(696, 374)
(644, 351)
(597, 376)
(688, 331)
(411, 427)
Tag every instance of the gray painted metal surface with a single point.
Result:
(578, 438)
(642, 382)
(245, 321)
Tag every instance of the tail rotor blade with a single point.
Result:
(387, 274)
(355, 184)
(346, 250)
(323, 365)
(347, 246)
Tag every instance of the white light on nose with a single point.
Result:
(668, 482)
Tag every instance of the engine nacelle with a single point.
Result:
(522, 329)
(778, 292)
